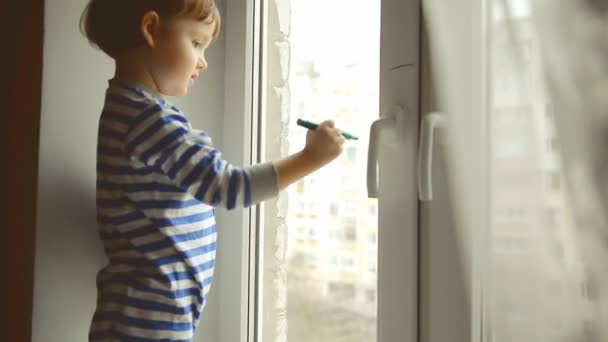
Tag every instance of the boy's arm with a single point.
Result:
(294, 168)
(164, 141)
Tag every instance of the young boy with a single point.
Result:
(158, 179)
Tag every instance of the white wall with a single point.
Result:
(68, 250)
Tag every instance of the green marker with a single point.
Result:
(312, 125)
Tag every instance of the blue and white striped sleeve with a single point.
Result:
(162, 139)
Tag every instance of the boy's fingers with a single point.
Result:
(328, 123)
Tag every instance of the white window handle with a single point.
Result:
(393, 123)
(425, 154)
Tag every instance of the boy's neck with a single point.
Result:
(131, 72)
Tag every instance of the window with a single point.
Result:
(350, 233)
(334, 261)
(312, 233)
(348, 262)
(316, 72)
(552, 216)
(373, 238)
(370, 295)
(372, 267)
(555, 180)
(333, 209)
(373, 209)
(529, 240)
(351, 154)
(551, 144)
(342, 290)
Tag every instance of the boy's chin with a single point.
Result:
(178, 92)
(185, 89)
(184, 92)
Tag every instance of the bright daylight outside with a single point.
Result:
(320, 237)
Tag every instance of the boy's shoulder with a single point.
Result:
(133, 100)
(133, 111)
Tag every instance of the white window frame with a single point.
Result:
(450, 317)
(236, 278)
(234, 285)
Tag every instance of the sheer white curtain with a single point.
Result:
(574, 41)
(524, 87)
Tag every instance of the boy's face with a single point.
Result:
(179, 55)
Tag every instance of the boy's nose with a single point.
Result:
(202, 64)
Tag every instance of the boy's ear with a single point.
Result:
(150, 25)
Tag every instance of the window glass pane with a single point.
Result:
(536, 284)
(318, 270)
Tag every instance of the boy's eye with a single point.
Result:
(197, 44)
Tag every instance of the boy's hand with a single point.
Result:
(323, 144)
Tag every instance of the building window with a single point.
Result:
(370, 295)
(556, 179)
(333, 209)
(373, 209)
(551, 216)
(373, 238)
(351, 154)
(350, 233)
(342, 290)
(348, 262)
(372, 268)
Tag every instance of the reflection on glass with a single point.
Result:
(320, 278)
(537, 286)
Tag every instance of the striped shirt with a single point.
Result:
(158, 182)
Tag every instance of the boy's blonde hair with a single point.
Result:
(114, 25)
